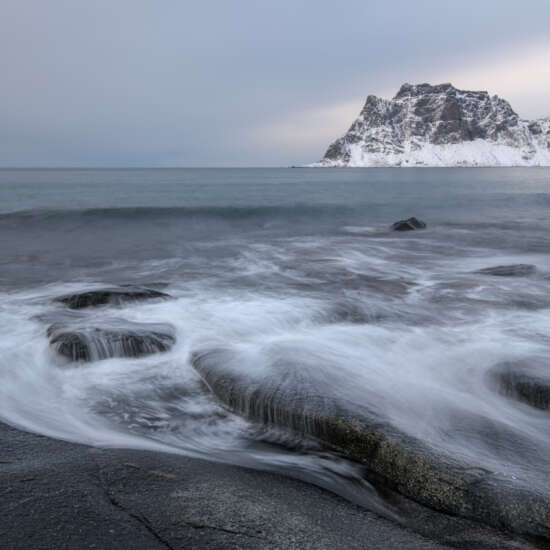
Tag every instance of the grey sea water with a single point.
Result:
(293, 267)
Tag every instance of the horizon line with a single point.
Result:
(142, 167)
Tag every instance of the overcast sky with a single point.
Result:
(242, 82)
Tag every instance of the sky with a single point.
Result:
(242, 82)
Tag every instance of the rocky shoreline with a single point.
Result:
(394, 459)
(65, 490)
(62, 495)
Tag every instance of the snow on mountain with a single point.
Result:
(425, 125)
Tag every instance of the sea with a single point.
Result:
(296, 267)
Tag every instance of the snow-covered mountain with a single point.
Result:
(426, 125)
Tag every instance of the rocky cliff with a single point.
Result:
(425, 125)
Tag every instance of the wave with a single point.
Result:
(181, 212)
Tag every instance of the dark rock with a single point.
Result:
(207, 506)
(514, 270)
(526, 381)
(408, 225)
(109, 295)
(404, 463)
(121, 339)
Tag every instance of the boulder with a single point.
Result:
(109, 295)
(284, 397)
(119, 338)
(408, 225)
(513, 270)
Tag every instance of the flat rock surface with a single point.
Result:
(56, 495)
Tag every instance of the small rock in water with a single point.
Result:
(408, 225)
(109, 295)
(93, 343)
(514, 270)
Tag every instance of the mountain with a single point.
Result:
(425, 125)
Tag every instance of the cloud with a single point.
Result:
(521, 77)
(311, 128)
(241, 83)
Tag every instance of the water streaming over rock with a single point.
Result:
(292, 288)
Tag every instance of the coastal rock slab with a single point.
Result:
(283, 395)
(109, 295)
(195, 507)
(119, 339)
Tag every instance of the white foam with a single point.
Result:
(420, 366)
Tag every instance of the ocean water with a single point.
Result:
(293, 267)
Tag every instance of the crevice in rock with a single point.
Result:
(137, 517)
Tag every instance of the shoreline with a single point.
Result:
(64, 495)
(57, 494)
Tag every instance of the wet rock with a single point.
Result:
(408, 225)
(120, 339)
(526, 381)
(404, 463)
(513, 270)
(109, 295)
(205, 494)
